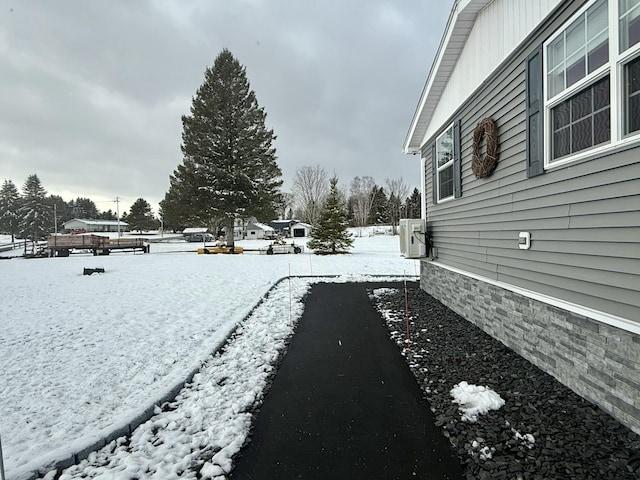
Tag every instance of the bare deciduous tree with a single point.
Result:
(310, 189)
(286, 208)
(398, 191)
(363, 195)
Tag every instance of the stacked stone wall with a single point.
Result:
(597, 361)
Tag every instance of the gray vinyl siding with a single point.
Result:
(584, 218)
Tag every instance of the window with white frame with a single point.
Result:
(592, 71)
(444, 163)
(629, 38)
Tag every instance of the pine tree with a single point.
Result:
(35, 214)
(9, 205)
(414, 204)
(379, 210)
(330, 235)
(229, 167)
(140, 216)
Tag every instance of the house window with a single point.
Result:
(629, 11)
(582, 80)
(580, 117)
(582, 121)
(444, 161)
(579, 50)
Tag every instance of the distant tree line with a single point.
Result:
(367, 203)
(228, 174)
(32, 214)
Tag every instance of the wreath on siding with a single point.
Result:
(483, 167)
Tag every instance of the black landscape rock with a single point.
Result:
(544, 430)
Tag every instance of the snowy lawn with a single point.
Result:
(85, 355)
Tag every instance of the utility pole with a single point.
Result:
(118, 214)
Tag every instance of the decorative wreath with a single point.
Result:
(483, 167)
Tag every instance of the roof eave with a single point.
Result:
(459, 25)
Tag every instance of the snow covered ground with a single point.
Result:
(85, 355)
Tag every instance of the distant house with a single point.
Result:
(540, 249)
(83, 225)
(291, 228)
(256, 230)
(282, 227)
(300, 229)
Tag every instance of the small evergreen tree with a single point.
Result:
(330, 234)
(9, 205)
(140, 216)
(35, 214)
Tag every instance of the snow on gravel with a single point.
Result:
(85, 355)
(475, 400)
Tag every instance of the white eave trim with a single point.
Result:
(461, 20)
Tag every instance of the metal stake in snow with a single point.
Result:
(289, 292)
(1, 462)
(406, 312)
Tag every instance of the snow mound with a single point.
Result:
(475, 400)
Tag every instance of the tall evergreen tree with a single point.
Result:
(9, 205)
(140, 216)
(35, 214)
(414, 204)
(229, 167)
(330, 234)
(379, 210)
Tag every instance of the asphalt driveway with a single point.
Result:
(343, 404)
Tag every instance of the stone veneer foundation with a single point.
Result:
(599, 362)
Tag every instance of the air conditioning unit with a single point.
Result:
(412, 238)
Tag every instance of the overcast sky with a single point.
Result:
(92, 92)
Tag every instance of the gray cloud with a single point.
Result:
(92, 92)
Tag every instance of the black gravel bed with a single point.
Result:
(573, 438)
